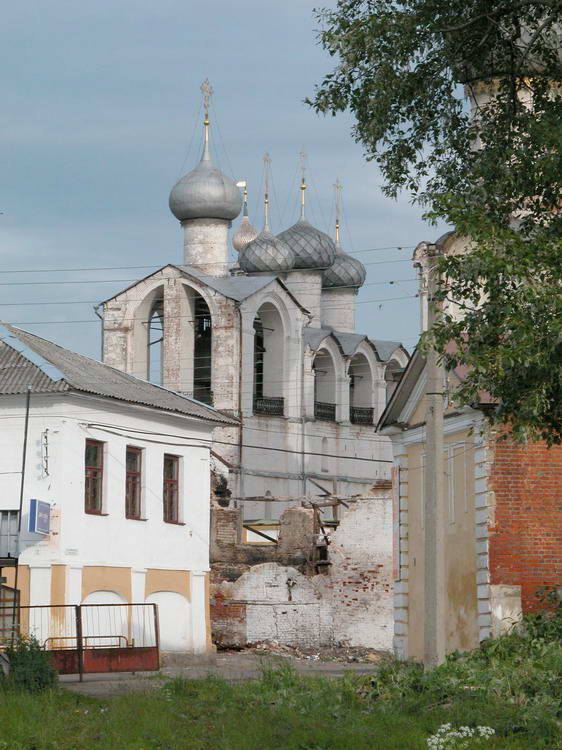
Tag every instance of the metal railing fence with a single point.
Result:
(324, 411)
(274, 406)
(88, 637)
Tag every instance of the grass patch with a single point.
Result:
(512, 685)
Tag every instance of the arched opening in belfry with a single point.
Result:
(155, 341)
(202, 350)
(269, 362)
(360, 390)
(392, 375)
(324, 386)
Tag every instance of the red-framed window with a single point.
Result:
(93, 495)
(133, 468)
(170, 493)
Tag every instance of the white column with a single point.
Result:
(379, 397)
(342, 407)
(309, 376)
(247, 364)
(138, 581)
(171, 348)
(198, 612)
(74, 584)
(292, 387)
(39, 594)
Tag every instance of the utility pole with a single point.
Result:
(434, 499)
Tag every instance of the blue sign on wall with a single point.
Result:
(39, 517)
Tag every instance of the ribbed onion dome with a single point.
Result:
(266, 253)
(205, 193)
(245, 232)
(344, 272)
(312, 248)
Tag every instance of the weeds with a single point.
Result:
(31, 669)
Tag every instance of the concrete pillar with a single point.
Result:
(435, 599)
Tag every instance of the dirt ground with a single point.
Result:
(229, 665)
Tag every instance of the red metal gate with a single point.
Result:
(92, 637)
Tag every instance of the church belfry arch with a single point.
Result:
(147, 349)
(197, 346)
(270, 357)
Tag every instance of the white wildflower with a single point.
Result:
(447, 738)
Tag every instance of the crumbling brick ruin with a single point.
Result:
(321, 583)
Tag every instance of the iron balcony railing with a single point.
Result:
(361, 414)
(274, 407)
(324, 411)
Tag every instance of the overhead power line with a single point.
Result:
(156, 265)
(140, 299)
(190, 318)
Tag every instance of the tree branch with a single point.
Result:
(502, 12)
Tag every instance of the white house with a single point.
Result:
(124, 467)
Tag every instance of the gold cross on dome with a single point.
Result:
(302, 157)
(338, 187)
(207, 91)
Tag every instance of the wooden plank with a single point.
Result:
(259, 533)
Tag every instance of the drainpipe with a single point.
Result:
(96, 308)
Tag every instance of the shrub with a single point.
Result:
(31, 669)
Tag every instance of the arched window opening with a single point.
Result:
(202, 350)
(155, 359)
(324, 387)
(269, 362)
(360, 391)
(392, 375)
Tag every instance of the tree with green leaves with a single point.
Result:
(460, 103)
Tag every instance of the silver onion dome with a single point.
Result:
(266, 253)
(205, 193)
(344, 272)
(245, 232)
(312, 248)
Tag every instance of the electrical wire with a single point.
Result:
(141, 299)
(156, 265)
(102, 426)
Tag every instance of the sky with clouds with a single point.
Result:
(101, 115)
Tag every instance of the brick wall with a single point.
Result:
(526, 527)
(360, 578)
(350, 603)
